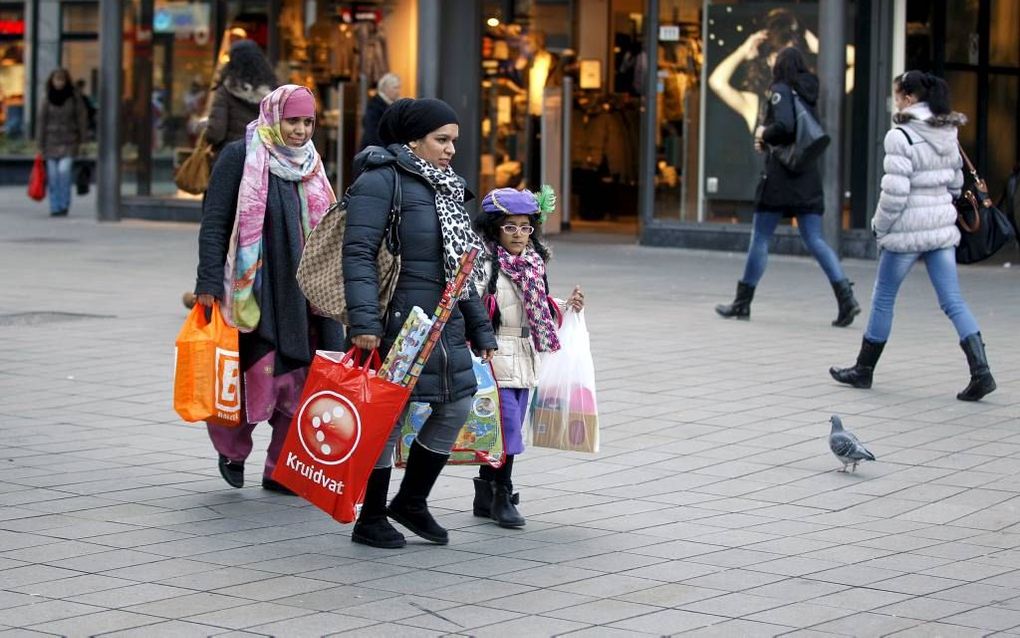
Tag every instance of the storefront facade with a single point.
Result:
(639, 112)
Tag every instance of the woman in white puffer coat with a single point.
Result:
(916, 220)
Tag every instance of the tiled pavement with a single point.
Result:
(714, 508)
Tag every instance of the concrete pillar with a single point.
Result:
(460, 82)
(646, 148)
(42, 54)
(429, 38)
(108, 162)
(832, 75)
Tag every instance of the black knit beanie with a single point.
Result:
(408, 119)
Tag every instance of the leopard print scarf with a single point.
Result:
(458, 235)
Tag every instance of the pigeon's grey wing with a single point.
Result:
(865, 454)
(841, 444)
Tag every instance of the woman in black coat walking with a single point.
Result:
(786, 193)
(246, 78)
(266, 193)
(435, 231)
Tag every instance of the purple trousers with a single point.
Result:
(513, 405)
(264, 398)
(236, 443)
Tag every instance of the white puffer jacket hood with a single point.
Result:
(922, 177)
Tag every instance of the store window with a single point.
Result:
(79, 54)
(13, 134)
(174, 51)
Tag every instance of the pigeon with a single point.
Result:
(845, 445)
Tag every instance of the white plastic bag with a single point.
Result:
(563, 412)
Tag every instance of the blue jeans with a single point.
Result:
(58, 182)
(893, 269)
(810, 227)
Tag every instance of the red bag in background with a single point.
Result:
(345, 416)
(37, 179)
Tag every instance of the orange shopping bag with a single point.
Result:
(345, 416)
(207, 369)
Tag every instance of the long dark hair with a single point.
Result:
(926, 88)
(489, 227)
(56, 96)
(789, 64)
(248, 65)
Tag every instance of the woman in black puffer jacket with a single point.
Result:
(787, 193)
(435, 231)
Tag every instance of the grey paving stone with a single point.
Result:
(188, 605)
(747, 628)
(669, 621)
(44, 611)
(940, 629)
(313, 626)
(99, 623)
(247, 616)
(170, 629)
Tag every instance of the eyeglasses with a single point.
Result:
(512, 229)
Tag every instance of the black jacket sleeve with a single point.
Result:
(367, 211)
(781, 123)
(476, 321)
(370, 125)
(218, 210)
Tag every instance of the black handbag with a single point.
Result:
(810, 139)
(82, 178)
(984, 229)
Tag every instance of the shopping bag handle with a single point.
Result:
(371, 360)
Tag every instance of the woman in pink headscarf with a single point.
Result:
(266, 193)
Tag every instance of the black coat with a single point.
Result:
(780, 189)
(448, 374)
(286, 325)
(374, 110)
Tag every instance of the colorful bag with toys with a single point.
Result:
(564, 413)
(480, 441)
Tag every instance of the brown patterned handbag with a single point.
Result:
(321, 273)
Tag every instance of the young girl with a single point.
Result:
(517, 297)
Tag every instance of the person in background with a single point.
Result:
(435, 232)
(274, 184)
(786, 193)
(516, 295)
(916, 221)
(63, 127)
(245, 79)
(387, 92)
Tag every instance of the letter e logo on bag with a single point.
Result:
(228, 369)
(329, 427)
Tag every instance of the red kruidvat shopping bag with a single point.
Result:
(338, 432)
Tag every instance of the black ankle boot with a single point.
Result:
(981, 381)
(848, 306)
(860, 375)
(409, 507)
(372, 528)
(482, 505)
(741, 306)
(504, 500)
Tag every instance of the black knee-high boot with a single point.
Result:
(409, 506)
(504, 500)
(482, 505)
(848, 306)
(372, 528)
(861, 373)
(981, 381)
(741, 306)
